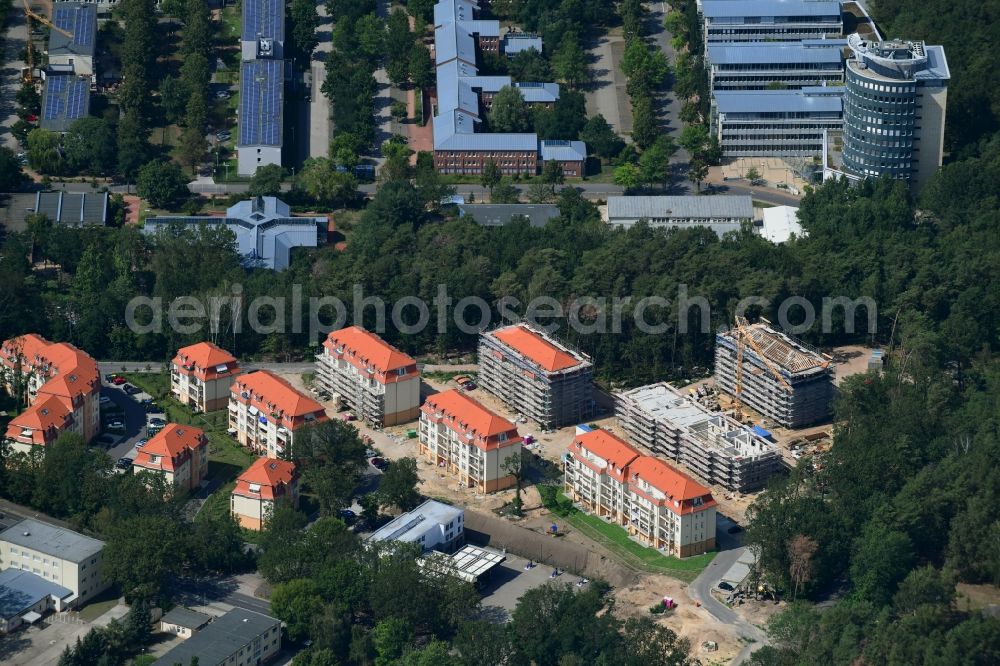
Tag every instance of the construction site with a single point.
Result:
(710, 444)
(781, 378)
(536, 376)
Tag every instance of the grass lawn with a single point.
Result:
(616, 539)
(231, 23)
(101, 605)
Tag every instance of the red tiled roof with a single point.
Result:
(173, 441)
(536, 348)
(206, 357)
(470, 415)
(670, 481)
(271, 393)
(71, 373)
(364, 349)
(272, 475)
(603, 444)
(44, 418)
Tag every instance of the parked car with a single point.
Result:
(222, 94)
(118, 381)
(379, 463)
(110, 377)
(151, 407)
(117, 424)
(348, 516)
(131, 390)
(105, 400)
(723, 585)
(223, 135)
(141, 443)
(469, 385)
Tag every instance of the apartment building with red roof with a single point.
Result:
(656, 503)
(178, 453)
(461, 435)
(536, 375)
(265, 411)
(61, 384)
(201, 374)
(379, 383)
(265, 485)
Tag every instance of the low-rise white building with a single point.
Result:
(434, 525)
(720, 213)
(56, 554)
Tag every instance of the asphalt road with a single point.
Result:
(700, 590)
(194, 591)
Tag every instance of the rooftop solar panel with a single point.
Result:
(263, 18)
(65, 99)
(261, 95)
(77, 20)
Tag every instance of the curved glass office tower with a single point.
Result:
(894, 109)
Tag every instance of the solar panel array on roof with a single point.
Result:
(263, 18)
(260, 103)
(65, 99)
(78, 20)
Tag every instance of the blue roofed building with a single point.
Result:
(260, 120)
(74, 39)
(759, 65)
(771, 20)
(265, 230)
(571, 155)
(65, 99)
(463, 99)
(777, 123)
(263, 34)
(516, 42)
(25, 597)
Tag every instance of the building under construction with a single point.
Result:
(783, 379)
(713, 446)
(536, 376)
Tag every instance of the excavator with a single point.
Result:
(28, 73)
(743, 337)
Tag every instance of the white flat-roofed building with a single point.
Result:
(57, 554)
(25, 597)
(761, 65)
(771, 20)
(780, 224)
(721, 213)
(434, 525)
(374, 379)
(711, 445)
(776, 123)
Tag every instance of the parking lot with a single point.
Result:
(509, 581)
(130, 411)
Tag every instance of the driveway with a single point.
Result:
(605, 94)
(700, 591)
(14, 39)
(319, 105)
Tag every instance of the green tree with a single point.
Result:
(601, 138)
(320, 180)
(296, 603)
(305, 21)
(505, 193)
(193, 147)
(29, 99)
(398, 485)
(141, 554)
(645, 129)
(539, 193)
(398, 43)
(552, 173)
(697, 171)
(627, 177)
(160, 183)
(44, 153)
(752, 175)
(330, 456)
(491, 175)
(509, 113)
(370, 32)
(11, 175)
(133, 144)
(393, 636)
(694, 138)
(654, 163)
(529, 66)
(421, 67)
(266, 182)
(174, 96)
(515, 466)
(569, 61)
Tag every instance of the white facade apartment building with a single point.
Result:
(60, 555)
(371, 377)
(470, 441)
(201, 374)
(771, 20)
(656, 503)
(265, 411)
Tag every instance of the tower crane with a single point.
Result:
(743, 337)
(28, 76)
